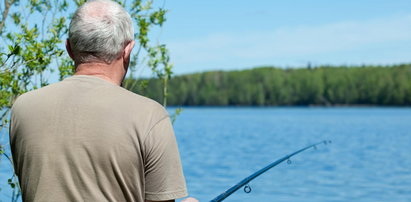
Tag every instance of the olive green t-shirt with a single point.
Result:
(86, 139)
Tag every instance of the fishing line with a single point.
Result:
(245, 181)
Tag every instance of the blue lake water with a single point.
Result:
(369, 159)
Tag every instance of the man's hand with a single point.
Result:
(190, 199)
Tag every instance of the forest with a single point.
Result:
(270, 86)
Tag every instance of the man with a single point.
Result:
(88, 139)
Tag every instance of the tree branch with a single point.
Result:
(7, 5)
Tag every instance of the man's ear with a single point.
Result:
(68, 48)
(127, 50)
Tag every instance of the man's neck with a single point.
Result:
(109, 72)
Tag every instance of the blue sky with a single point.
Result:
(239, 34)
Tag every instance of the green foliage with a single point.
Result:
(158, 59)
(365, 85)
(174, 116)
(32, 48)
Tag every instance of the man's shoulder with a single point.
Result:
(112, 94)
(33, 95)
(143, 105)
(141, 102)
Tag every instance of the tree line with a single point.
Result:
(270, 86)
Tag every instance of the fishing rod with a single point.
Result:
(246, 180)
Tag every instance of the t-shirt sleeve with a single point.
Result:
(164, 179)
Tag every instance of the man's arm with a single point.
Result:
(164, 179)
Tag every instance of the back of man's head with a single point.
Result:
(99, 31)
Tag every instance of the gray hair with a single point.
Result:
(99, 31)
